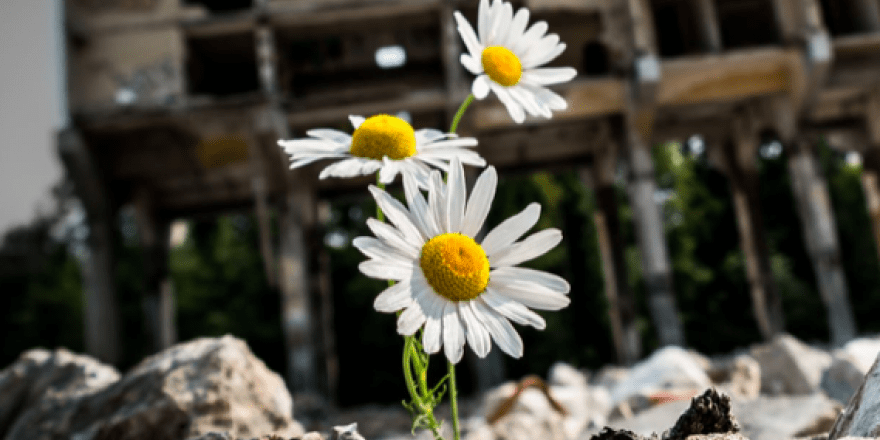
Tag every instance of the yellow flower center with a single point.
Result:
(384, 135)
(455, 266)
(502, 65)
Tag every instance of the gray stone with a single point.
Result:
(788, 366)
(189, 390)
(861, 418)
(775, 418)
(764, 418)
(841, 380)
(739, 376)
(40, 374)
(670, 368)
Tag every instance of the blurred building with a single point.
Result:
(176, 106)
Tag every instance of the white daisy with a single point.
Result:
(460, 290)
(381, 143)
(505, 57)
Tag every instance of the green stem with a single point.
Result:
(464, 105)
(453, 401)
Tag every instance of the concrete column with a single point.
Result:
(817, 217)
(743, 178)
(154, 234)
(101, 309)
(296, 307)
(621, 303)
(657, 270)
(871, 186)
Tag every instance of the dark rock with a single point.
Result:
(709, 413)
(617, 434)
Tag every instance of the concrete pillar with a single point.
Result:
(621, 303)
(295, 283)
(98, 266)
(154, 234)
(871, 186)
(817, 217)
(656, 267)
(743, 177)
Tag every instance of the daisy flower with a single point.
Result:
(506, 59)
(458, 289)
(381, 143)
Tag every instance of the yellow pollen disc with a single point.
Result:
(455, 266)
(502, 65)
(384, 135)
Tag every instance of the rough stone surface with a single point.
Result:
(707, 414)
(788, 366)
(740, 376)
(42, 374)
(782, 417)
(670, 368)
(191, 389)
(861, 418)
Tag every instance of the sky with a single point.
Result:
(30, 109)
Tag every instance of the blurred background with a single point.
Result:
(715, 177)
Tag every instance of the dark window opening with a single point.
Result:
(677, 28)
(844, 18)
(747, 23)
(348, 65)
(222, 65)
(595, 60)
(221, 5)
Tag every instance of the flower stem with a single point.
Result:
(464, 105)
(453, 401)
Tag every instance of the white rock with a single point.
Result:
(739, 377)
(666, 369)
(788, 366)
(861, 418)
(191, 389)
(862, 352)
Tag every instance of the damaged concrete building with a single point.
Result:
(176, 107)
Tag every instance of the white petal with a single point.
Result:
(483, 17)
(410, 320)
(531, 37)
(533, 246)
(539, 50)
(480, 88)
(394, 298)
(352, 167)
(437, 201)
(513, 310)
(528, 101)
(466, 157)
(449, 143)
(398, 215)
(468, 36)
(432, 338)
(544, 58)
(502, 332)
(308, 145)
(386, 269)
(503, 16)
(530, 295)
(471, 64)
(428, 136)
(479, 203)
(515, 110)
(456, 196)
(330, 135)
(476, 333)
(517, 27)
(513, 275)
(419, 207)
(512, 229)
(356, 121)
(549, 75)
(389, 170)
(375, 248)
(453, 334)
(394, 238)
(308, 160)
